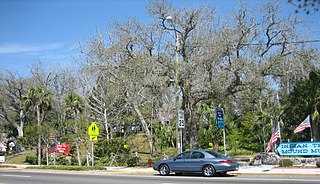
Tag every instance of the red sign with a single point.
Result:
(63, 148)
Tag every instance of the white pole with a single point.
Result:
(181, 139)
(311, 128)
(224, 142)
(47, 154)
(92, 153)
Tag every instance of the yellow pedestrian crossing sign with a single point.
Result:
(93, 129)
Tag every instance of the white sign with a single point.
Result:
(181, 122)
(2, 159)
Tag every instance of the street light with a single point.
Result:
(177, 90)
(169, 18)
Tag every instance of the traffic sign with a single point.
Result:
(93, 129)
(220, 119)
(93, 138)
(63, 148)
(181, 121)
(299, 149)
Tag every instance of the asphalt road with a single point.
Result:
(33, 177)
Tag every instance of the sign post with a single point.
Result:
(93, 132)
(181, 125)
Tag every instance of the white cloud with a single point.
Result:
(18, 48)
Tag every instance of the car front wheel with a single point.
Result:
(208, 170)
(164, 170)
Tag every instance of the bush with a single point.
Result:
(131, 161)
(240, 152)
(285, 163)
(63, 161)
(105, 148)
(74, 161)
(100, 161)
(318, 163)
(33, 160)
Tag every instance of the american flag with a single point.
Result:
(52, 148)
(275, 136)
(305, 124)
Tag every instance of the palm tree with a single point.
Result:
(74, 105)
(39, 100)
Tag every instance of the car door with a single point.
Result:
(196, 161)
(179, 162)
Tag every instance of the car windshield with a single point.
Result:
(215, 154)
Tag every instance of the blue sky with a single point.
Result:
(50, 30)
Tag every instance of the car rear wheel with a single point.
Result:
(208, 170)
(164, 170)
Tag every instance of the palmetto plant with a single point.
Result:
(38, 100)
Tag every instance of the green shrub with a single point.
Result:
(33, 160)
(63, 161)
(105, 148)
(100, 161)
(285, 163)
(131, 161)
(121, 159)
(318, 163)
(74, 161)
(240, 152)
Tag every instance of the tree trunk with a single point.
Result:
(105, 119)
(78, 153)
(147, 131)
(193, 135)
(39, 136)
(193, 127)
(87, 153)
(315, 131)
(20, 128)
(20, 131)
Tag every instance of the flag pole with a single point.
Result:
(311, 128)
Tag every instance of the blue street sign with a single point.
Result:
(220, 120)
(299, 149)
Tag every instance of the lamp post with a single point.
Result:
(177, 87)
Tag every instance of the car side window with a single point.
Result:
(197, 155)
(185, 155)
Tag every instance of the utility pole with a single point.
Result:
(177, 86)
(179, 136)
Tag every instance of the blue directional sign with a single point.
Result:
(299, 149)
(220, 120)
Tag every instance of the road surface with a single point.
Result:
(37, 177)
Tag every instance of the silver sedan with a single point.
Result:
(207, 162)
